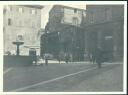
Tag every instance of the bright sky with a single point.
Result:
(47, 8)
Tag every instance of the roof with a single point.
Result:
(69, 7)
(34, 6)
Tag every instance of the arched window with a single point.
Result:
(9, 21)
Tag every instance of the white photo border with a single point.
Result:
(2, 3)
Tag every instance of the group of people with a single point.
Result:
(38, 60)
(95, 57)
(66, 57)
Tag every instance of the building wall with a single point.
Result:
(55, 16)
(104, 28)
(25, 21)
(69, 14)
(64, 15)
(103, 13)
(70, 33)
(98, 13)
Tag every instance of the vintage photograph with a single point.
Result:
(63, 48)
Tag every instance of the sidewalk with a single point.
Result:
(61, 62)
(81, 62)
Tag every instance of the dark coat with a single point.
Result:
(99, 55)
(67, 58)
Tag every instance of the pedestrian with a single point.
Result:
(99, 56)
(67, 58)
(46, 59)
(93, 57)
(59, 58)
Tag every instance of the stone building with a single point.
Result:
(66, 21)
(103, 27)
(21, 22)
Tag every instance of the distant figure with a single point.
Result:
(93, 58)
(46, 57)
(99, 56)
(67, 58)
(71, 58)
(59, 58)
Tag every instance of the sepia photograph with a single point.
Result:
(59, 47)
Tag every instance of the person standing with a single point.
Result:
(67, 58)
(99, 56)
(46, 59)
(59, 58)
(93, 58)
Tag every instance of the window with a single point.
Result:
(33, 11)
(75, 10)
(9, 8)
(3, 29)
(9, 21)
(108, 37)
(20, 10)
(91, 17)
(4, 11)
(75, 21)
(108, 14)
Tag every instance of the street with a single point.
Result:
(64, 78)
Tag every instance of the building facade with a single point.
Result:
(103, 28)
(66, 22)
(21, 22)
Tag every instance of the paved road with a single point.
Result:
(64, 78)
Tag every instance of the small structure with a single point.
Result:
(18, 43)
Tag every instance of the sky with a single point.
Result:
(47, 8)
